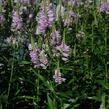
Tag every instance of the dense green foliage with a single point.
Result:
(87, 72)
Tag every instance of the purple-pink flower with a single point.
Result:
(42, 22)
(16, 21)
(2, 19)
(45, 18)
(64, 50)
(58, 47)
(50, 14)
(58, 77)
(104, 8)
(34, 54)
(55, 38)
(39, 58)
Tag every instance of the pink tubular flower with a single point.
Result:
(43, 59)
(104, 8)
(34, 54)
(42, 23)
(64, 50)
(50, 14)
(45, 19)
(16, 21)
(39, 58)
(58, 77)
(2, 19)
(55, 38)
(58, 47)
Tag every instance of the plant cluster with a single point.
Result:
(54, 54)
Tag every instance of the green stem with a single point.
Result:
(10, 80)
(103, 101)
(64, 37)
(12, 66)
(92, 43)
(45, 9)
(106, 74)
(58, 64)
(32, 42)
(37, 91)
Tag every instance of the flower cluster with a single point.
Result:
(16, 21)
(58, 77)
(64, 50)
(104, 8)
(2, 19)
(39, 58)
(42, 23)
(45, 19)
(68, 16)
(58, 47)
(55, 38)
(50, 14)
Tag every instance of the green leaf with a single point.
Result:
(103, 84)
(25, 62)
(0, 105)
(65, 106)
(51, 103)
(3, 98)
(103, 101)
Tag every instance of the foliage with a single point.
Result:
(81, 78)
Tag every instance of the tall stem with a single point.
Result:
(11, 75)
(106, 74)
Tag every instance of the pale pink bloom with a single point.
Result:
(16, 21)
(58, 77)
(64, 50)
